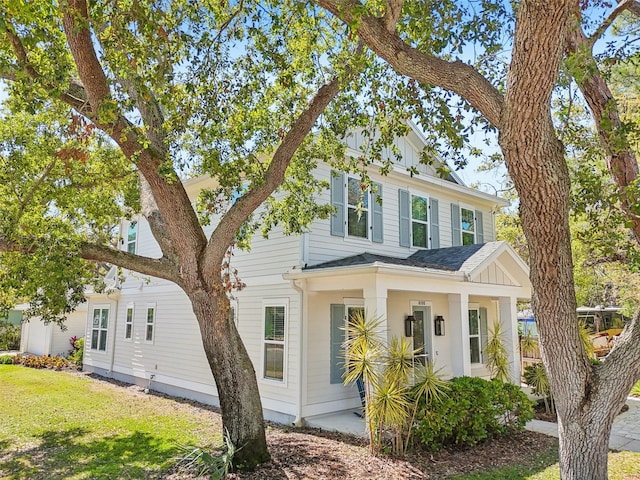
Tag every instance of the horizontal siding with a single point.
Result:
(75, 327)
(177, 350)
(324, 247)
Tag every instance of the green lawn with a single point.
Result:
(54, 425)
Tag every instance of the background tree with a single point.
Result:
(420, 40)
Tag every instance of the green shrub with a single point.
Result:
(6, 359)
(473, 410)
(9, 336)
(75, 355)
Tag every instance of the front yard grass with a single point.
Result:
(55, 425)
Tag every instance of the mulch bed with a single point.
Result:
(312, 454)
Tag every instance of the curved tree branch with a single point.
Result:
(621, 161)
(224, 233)
(457, 76)
(174, 207)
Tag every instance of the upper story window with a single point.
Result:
(132, 236)
(99, 328)
(466, 226)
(358, 210)
(419, 220)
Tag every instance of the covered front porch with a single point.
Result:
(446, 308)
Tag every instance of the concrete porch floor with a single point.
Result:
(345, 421)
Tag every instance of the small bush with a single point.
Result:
(75, 355)
(9, 336)
(473, 410)
(6, 359)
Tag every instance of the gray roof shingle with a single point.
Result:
(449, 259)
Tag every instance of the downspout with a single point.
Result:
(298, 422)
(115, 327)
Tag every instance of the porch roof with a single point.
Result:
(450, 259)
(489, 264)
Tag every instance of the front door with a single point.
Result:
(422, 334)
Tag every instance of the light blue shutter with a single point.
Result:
(434, 223)
(337, 201)
(376, 214)
(405, 218)
(337, 339)
(483, 334)
(479, 227)
(456, 235)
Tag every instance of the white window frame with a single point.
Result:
(129, 322)
(366, 198)
(473, 232)
(151, 324)
(275, 302)
(100, 329)
(129, 242)
(475, 307)
(412, 220)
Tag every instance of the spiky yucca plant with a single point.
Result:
(497, 356)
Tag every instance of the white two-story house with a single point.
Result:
(422, 257)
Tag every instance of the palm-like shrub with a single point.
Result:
(497, 356)
(536, 377)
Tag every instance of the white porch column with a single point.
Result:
(375, 306)
(458, 329)
(507, 312)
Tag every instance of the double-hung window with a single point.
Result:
(358, 209)
(419, 222)
(128, 323)
(99, 328)
(275, 316)
(132, 236)
(150, 324)
(477, 334)
(467, 226)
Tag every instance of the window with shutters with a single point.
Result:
(467, 226)
(358, 209)
(275, 326)
(418, 220)
(99, 327)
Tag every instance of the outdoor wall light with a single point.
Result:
(439, 325)
(408, 325)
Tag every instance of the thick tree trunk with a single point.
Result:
(234, 375)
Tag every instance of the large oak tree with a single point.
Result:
(110, 101)
(418, 39)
